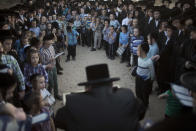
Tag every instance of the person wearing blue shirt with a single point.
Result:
(105, 32)
(114, 22)
(154, 49)
(111, 40)
(34, 28)
(136, 40)
(123, 41)
(71, 42)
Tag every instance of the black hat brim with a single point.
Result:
(93, 82)
(188, 80)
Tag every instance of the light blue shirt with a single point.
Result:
(154, 50)
(36, 30)
(115, 23)
(72, 37)
(110, 40)
(124, 38)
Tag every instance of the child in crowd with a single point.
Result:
(123, 41)
(48, 60)
(173, 106)
(34, 106)
(71, 42)
(136, 40)
(98, 34)
(23, 44)
(105, 32)
(39, 84)
(145, 74)
(111, 40)
(77, 25)
(33, 66)
(152, 41)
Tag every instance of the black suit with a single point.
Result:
(153, 26)
(100, 109)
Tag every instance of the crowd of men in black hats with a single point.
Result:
(158, 43)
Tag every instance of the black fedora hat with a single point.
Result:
(97, 74)
(188, 80)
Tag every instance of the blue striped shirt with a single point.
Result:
(135, 42)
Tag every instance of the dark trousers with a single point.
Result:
(135, 60)
(84, 38)
(79, 38)
(111, 50)
(71, 51)
(58, 65)
(142, 89)
(105, 44)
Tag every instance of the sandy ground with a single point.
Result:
(74, 72)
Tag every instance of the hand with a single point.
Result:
(156, 57)
(21, 94)
(49, 66)
(10, 71)
(66, 44)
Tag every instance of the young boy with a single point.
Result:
(48, 54)
(71, 42)
(111, 40)
(145, 74)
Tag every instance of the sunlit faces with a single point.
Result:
(111, 29)
(34, 23)
(123, 29)
(156, 14)
(106, 23)
(34, 59)
(7, 45)
(112, 17)
(135, 22)
(131, 7)
(41, 84)
(48, 43)
(49, 26)
(136, 32)
(43, 19)
(17, 113)
(150, 13)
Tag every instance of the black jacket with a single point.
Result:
(101, 109)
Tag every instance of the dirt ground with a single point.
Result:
(74, 72)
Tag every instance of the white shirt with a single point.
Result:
(126, 21)
(145, 68)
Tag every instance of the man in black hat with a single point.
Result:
(101, 108)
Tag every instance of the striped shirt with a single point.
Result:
(47, 54)
(30, 70)
(173, 106)
(135, 42)
(145, 68)
(12, 63)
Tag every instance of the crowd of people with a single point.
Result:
(158, 43)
